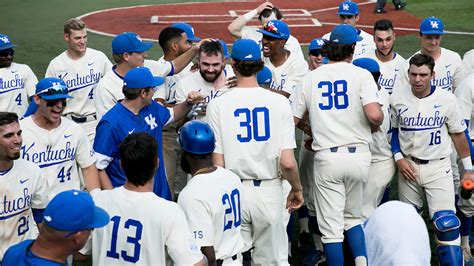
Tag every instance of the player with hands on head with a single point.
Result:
(211, 199)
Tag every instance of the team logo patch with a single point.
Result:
(150, 120)
(434, 24)
(345, 6)
(320, 42)
(5, 39)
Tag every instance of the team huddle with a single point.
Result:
(189, 159)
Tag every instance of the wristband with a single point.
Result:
(398, 156)
(249, 15)
(466, 163)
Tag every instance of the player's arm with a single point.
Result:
(91, 177)
(210, 255)
(180, 62)
(462, 147)
(180, 110)
(289, 169)
(235, 28)
(302, 125)
(105, 180)
(374, 113)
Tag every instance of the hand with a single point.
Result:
(266, 5)
(203, 41)
(193, 98)
(294, 200)
(468, 175)
(231, 82)
(406, 169)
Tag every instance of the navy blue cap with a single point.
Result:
(277, 29)
(348, 8)
(432, 26)
(188, 29)
(246, 50)
(5, 42)
(73, 211)
(129, 42)
(344, 34)
(52, 89)
(315, 44)
(367, 63)
(140, 78)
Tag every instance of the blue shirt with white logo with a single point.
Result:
(116, 125)
(21, 255)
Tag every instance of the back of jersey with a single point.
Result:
(252, 126)
(334, 96)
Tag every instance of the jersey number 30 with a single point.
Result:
(135, 241)
(252, 124)
(334, 94)
(232, 204)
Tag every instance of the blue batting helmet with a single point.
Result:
(196, 137)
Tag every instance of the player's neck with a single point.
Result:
(74, 55)
(435, 54)
(50, 250)
(169, 56)
(122, 69)
(421, 94)
(246, 82)
(202, 167)
(5, 164)
(133, 106)
(384, 58)
(279, 58)
(219, 83)
(148, 187)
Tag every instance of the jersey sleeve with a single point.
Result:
(40, 194)
(455, 121)
(180, 245)
(368, 90)
(212, 118)
(160, 92)
(299, 104)
(30, 81)
(288, 127)
(104, 99)
(459, 74)
(164, 114)
(107, 64)
(105, 144)
(299, 70)
(464, 95)
(181, 94)
(160, 68)
(199, 218)
(84, 155)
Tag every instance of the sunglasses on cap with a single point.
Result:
(316, 52)
(7, 52)
(56, 89)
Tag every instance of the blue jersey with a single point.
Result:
(115, 126)
(20, 254)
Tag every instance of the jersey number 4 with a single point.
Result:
(252, 124)
(135, 241)
(334, 95)
(232, 204)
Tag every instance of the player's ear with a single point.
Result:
(37, 99)
(356, 18)
(66, 37)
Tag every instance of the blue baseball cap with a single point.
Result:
(264, 76)
(52, 89)
(188, 29)
(348, 8)
(246, 50)
(224, 49)
(315, 44)
(73, 211)
(432, 26)
(129, 42)
(140, 78)
(344, 34)
(367, 63)
(277, 29)
(5, 42)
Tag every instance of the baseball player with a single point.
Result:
(287, 68)
(81, 68)
(57, 145)
(388, 60)
(468, 62)
(342, 103)
(254, 139)
(380, 6)
(382, 167)
(136, 113)
(266, 12)
(17, 81)
(424, 121)
(22, 187)
(211, 199)
(67, 224)
(144, 229)
(349, 14)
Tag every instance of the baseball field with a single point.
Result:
(37, 26)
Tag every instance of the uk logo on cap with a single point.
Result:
(320, 42)
(5, 39)
(345, 6)
(434, 24)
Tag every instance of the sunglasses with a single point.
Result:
(55, 89)
(269, 38)
(316, 52)
(346, 16)
(54, 102)
(7, 52)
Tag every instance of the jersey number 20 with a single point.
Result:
(251, 124)
(129, 224)
(232, 204)
(335, 95)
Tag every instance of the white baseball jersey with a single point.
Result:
(335, 105)
(160, 67)
(287, 76)
(108, 92)
(167, 91)
(195, 82)
(362, 48)
(17, 83)
(388, 70)
(292, 44)
(468, 62)
(144, 229)
(262, 126)
(81, 77)
(59, 153)
(380, 147)
(22, 188)
(211, 203)
(465, 96)
(424, 124)
(448, 70)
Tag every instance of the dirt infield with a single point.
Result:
(307, 18)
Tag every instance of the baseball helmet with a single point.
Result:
(196, 137)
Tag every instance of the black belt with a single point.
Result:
(83, 119)
(420, 161)
(219, 262)
(350, 149)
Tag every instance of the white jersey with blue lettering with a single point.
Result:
(108, 92)
(424, 124)
(211, 203)
(287, 76)
(363, 47)
(144, 229)
(17, 83)
(81, 77)
(167, 91)
(195, 82)
(22, 188)
(252, 126)
(388, 70)
(465, 95)
(468, 62)
(59, 152)
(448, 70)
(335, 105)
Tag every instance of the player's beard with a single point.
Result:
(6, 62)
(212, 78)
(14, 156)
(391, 49)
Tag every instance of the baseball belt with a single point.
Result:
(220, 262)
(262, 182)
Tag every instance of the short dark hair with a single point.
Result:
(167, 35)
(383, 25)
(248, 68)
(211, 48)
(132, 94)
(138, 157)
(338, 52)
(7, 118)
(421, 60)
(267, 12)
